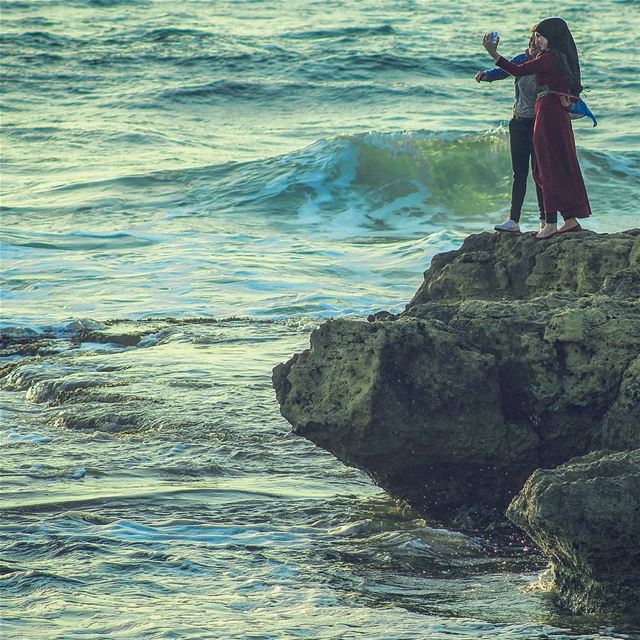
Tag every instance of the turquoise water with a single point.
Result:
(188, 189)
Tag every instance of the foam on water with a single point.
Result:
(167, 476)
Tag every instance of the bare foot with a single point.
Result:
(568, 224)
(547, 231)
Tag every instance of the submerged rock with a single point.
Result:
(514, 354)
(585, 515)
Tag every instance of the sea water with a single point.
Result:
(188, 189)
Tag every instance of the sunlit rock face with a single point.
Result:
(514, 354)
(585, 515)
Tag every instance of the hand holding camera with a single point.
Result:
(490, 43)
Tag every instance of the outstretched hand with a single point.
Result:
(491, 47)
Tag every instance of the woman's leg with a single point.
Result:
(520, 143)
(569, 223)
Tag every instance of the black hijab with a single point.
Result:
(556, 31)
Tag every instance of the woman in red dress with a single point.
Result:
(556, 168)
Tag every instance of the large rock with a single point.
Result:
(514, 354)
(410, 403)
(585, 515)
(497, 266)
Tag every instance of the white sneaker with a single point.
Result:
(510, 226)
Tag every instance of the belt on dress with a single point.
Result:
(544, 90)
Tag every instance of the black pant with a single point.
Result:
(521, 142)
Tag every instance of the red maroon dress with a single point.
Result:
(555, 167)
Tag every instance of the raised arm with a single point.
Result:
(544, 62)
(491, 75)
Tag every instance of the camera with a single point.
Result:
(493, 37)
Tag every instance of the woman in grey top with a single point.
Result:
(520, 136)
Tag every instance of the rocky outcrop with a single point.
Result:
(498, 266)
(514, 354)
(585, 515)
(410, 403)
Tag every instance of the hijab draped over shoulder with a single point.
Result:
(556, 31)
